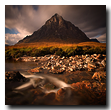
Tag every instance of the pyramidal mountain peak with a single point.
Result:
(57, 15)
(55, 19)
(56, 29)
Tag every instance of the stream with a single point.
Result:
(11, 65)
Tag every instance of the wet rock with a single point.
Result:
(14, 76)
(95, 55)
(49, 97)
(59, 71)
(76, 56)
(61, 92)
(63, 57)
(38, 69)
(26, 58)
(67, 64)
(99, 56)
(87, 55)
(74, 62)
(36, 60)
(91, 69)
(71, 69)
(47, 56)
(56, 64)
(49, 64)
(91, 64)
(87, 84)
(85, 65)
(88, 59)
(100, 76)
(78, 85)
(61, 62)
(99, 87)
(57, 67)
(49, 86)
(103, 55)
(18, 59)
(103, 62)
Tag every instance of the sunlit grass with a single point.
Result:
(55, 44)
(63, 50)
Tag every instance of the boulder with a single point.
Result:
(91, 64)
(95, 55)
(47, 56)
(97, 86)
(66, 64)
(91, 69)
(57, 67)
(63, 57)
(100, 76)
(38, 69)
(71, 69)
(99, 56)
(61, 92)
(14, 76)
(36, 60)
(74, 62)
(78, 85)
(61, 62)
(49, 64)
(87, 84)
(88, 59)
(60, 71)
(87, 55)
(103, 62)
(18, 59)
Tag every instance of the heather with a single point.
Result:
(61, 51)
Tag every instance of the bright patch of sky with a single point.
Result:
(11, 31)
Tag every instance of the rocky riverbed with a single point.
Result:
(83, 75)
(57, 64)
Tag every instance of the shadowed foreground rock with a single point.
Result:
(81, 93)
(14, 76)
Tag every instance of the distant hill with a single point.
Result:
(6, 45)
(56, 29)
(94, 40)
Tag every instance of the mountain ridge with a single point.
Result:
(94, 40)
(56, 29)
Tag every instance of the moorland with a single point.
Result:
(42, 48)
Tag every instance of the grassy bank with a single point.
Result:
(61, 51)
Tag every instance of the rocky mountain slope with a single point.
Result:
(56, 29)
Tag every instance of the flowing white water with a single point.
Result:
(58, 83)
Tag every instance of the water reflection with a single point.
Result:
(18, 66)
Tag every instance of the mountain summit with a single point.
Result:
(57, 19)
(56, 29)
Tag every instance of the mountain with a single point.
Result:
(6, 45)
(56, 29)
(94, 40)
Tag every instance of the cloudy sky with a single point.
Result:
(23, 20)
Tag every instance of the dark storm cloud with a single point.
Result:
(89, 19)
(26, 19)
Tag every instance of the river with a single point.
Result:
(44, 82)
(11, 65)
